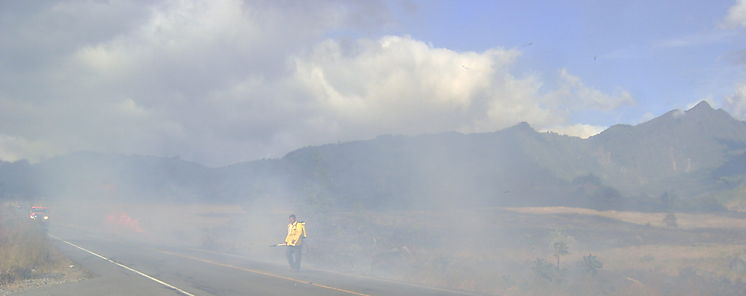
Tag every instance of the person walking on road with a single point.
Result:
(294, 241)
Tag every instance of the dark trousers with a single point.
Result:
(294, 255)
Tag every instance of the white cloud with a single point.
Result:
(401, 85)
(225, 81)
(577, 130)
(573, 92)
(736, 104)
(150, 82)
(736, 15)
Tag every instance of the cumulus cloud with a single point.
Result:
(128, 77)
(736, 104)
(226, 81)
(400, 85)
(736, 15)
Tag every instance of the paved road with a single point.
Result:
(138, 269)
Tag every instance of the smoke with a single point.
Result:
(220, 82)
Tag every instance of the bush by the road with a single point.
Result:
(24, 247)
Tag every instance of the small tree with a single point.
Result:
(560, 248)
(560, 243)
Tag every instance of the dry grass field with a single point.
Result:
(501, 251)
(684, 220)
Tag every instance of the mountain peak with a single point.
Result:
(522, 126)
(701, 106)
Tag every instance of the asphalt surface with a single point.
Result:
(125, 268)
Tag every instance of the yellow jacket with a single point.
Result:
(296, 233)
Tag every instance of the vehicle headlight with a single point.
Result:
(46, 217)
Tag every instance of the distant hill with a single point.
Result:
(676, 160)
(104, 176)
(674, 145)
(687, 160)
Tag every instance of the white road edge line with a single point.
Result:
(125, 267)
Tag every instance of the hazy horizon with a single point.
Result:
(342, 142)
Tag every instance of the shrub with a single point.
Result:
(591, 264)
(24, 248)
(545, 270)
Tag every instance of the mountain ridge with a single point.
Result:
(693, 155)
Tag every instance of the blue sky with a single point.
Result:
(224, 81)
(667, 54)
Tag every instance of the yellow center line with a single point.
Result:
(356, 276)
(264, 273)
